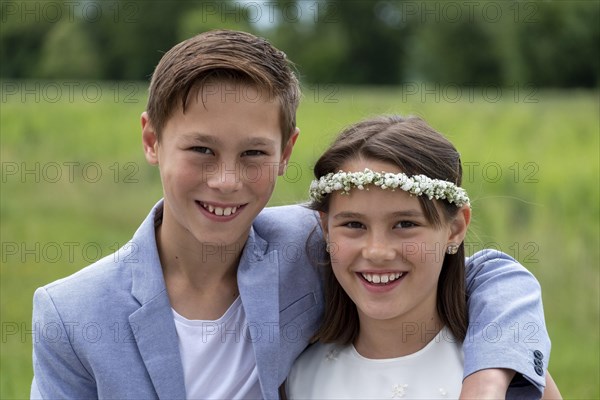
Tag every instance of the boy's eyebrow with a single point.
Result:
(260, 141)
(203, 137)
(251, 141)
(398, 214)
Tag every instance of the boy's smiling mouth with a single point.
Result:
(220, 210)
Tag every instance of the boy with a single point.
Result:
(207, 300)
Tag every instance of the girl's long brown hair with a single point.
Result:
(415, 148)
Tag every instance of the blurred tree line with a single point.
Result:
(542, 43)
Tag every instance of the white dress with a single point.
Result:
(329, 371)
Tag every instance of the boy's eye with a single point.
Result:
(253, 153)
(202, 150)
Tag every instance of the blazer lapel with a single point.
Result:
(258, 282)
(152, 324)
(156, 339)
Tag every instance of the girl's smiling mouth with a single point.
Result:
(383, 278)
(381, 282)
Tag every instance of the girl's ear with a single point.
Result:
(324, 223)
(459, 225)
(149, 140)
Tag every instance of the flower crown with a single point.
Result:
(415, 185)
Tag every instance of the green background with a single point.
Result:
(75, 186)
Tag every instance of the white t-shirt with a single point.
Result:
(329, 371)
(217, 356)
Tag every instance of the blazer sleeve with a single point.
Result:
(506, 322)
(58, 372)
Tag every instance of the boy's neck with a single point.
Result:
(201, 279)
(379, 339)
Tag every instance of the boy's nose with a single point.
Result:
(227, 179)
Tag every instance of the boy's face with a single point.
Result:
(218, 163)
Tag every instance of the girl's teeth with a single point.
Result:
(382, 278)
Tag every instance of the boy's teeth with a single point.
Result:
(220, 211)
(382, 278)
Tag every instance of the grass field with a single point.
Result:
(75, 187)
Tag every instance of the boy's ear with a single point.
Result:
(149, 140)
(459, 225)
(287, 152)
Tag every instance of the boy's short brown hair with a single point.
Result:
(222, 56)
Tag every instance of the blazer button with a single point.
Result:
(538, 354)
(539, 370)
(538, 362)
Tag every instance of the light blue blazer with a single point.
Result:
(107, 331)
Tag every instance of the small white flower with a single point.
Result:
(415, 185)
(399, 391)
(332, 355)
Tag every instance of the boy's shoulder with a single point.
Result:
(109, 280)
(105, 269)
(292, 220)
(96, 286)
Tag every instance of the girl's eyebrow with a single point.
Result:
(347, 215)
(398, 214)
(408, 213)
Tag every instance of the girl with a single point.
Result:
(394, 217)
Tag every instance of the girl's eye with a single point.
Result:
(202, 150)
(354, 225)
(253, 153)
(406, 224)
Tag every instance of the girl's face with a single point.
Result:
(384, 252)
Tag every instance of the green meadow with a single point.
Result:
(75, 186)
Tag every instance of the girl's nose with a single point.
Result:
(378, 251)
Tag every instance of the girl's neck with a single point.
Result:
(380, 339)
